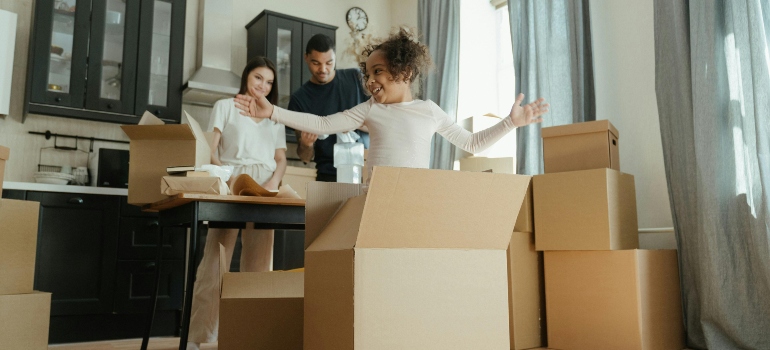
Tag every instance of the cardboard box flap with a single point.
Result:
(580, 128)
(342, 231)
(223, 267)
(203, 151)
(263, 285)
(5, 152)
(159, 132)
(324, 199)
(420, 208)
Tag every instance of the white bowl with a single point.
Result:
(49, 177)
(51, 180)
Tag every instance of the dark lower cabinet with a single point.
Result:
(96, 255)
(289, 249)
(77, 251)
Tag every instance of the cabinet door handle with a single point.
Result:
(109, 105)
(75, 200)
(58, 99)
(157, 112)
(149, 266)
(153, 225)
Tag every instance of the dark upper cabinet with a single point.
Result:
(107, 60)
(282, 39)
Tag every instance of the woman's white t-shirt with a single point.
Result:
(245, 141)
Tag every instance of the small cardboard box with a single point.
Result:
(621, 299)
(154, 147)
(171, 185)
(405, 266)
(18, 244)
(526, 295)
(24, 320)
(298, 178)
(260, 310)
(5, 152)
(581, 146)
(585, 210)
(504, 165)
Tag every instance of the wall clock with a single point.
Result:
(357, 19)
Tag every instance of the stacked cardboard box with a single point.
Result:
(601, 291)
(24, 313)
(418, 262)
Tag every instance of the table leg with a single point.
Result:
(154, 297)
(192, 267)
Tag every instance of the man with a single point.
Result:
(327, 92)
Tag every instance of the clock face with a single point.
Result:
(357, 19)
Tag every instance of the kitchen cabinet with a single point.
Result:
(282, 39)
(107, 60)
(96, 255)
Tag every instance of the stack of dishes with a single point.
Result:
(50, 177)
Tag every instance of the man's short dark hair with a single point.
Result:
(320, 43)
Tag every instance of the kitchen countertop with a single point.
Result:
(33, 186)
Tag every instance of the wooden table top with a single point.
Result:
(184, 198)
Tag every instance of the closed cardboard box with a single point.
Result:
(298, 178)
(155, 147)
(526, 296)
(585, 210)
(5, 152)
(24, 320)
(405, 266)
(18, 244)
(260, 310)
(581, 146)
(505, 165)
(171, 185)
(623, 299)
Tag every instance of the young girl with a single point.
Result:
(253, 147)
(400, 127)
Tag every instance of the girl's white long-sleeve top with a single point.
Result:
(399, 133)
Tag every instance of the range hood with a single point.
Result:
(213, 80)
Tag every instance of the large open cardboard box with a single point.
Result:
(260, 310)
(5, 152)
(154, 147)
(18, 244)
(585, 210)
(24, 321)
(621, 299)
(581, 146)
(504, 165)
(297, 178)
(417, 263)
(526, 295)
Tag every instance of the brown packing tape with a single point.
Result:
(244, 185)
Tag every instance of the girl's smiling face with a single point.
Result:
(381, 84)
(260, 80)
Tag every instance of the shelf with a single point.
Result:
(64, 13)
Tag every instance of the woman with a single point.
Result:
(255, 147)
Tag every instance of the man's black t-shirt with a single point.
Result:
(342, 93)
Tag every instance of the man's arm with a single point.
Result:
(305, 146)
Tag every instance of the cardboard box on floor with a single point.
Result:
(154, 147)
(405, 266)
(18, 244)
(585, 210)
(260, 310)
(581, 146)
(297, 178)
(505, 165)
(24, 320)
(526, 295)
(620, 299)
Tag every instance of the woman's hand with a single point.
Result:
(254, 105)
(271, 185)
(529, 113)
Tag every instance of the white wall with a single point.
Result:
(624, 76)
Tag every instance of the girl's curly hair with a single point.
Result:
(407, 57)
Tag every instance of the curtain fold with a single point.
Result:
(713, 93)
(552, 58)
(439, 25)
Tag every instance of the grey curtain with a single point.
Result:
(439, 25)
(552, 58)
(713, 93)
